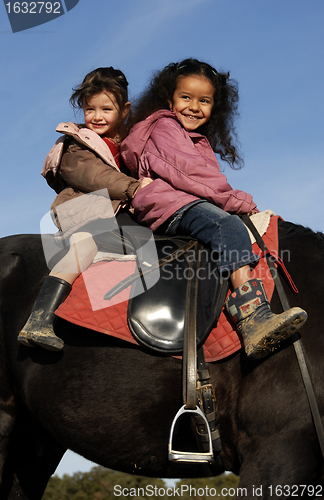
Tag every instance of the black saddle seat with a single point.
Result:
(156, 317)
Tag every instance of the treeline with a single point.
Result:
(105, 484)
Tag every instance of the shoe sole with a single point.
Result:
(24, 339)
(45, 343)
(27, 340)
(272, 342)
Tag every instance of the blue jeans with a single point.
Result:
(224, 233)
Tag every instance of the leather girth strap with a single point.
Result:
(295, 337)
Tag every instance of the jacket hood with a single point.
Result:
(133, 146)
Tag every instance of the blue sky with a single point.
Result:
(273, 48)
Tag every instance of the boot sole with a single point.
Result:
(269, 344)
(28, 341)
(24, 339)
(46, 343)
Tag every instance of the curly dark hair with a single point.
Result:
(103, 80)
(219, 130)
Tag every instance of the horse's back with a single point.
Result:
(114, 403)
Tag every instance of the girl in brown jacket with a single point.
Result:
(84, 160)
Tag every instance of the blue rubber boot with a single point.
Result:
(262, 330)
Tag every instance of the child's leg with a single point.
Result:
(79, 257)
(248, 305)
(224, 233)
(55, 288)
(240, 276)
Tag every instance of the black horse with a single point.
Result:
(114, 403)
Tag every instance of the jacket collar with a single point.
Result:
(141, 131)
(90, 139)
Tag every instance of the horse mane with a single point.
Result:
(297, 230)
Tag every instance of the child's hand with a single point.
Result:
(254, 211)
(145, 182)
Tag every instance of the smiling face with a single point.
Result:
(193, 101)
(102, 114)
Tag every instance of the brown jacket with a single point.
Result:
(81, 164)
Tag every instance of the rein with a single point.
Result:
(273, 258)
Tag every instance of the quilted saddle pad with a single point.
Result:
(86, 307)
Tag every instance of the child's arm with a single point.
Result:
(174, 158)
(84, 170)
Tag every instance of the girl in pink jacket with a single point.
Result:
(182, 120)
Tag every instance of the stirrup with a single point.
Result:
(184, 456)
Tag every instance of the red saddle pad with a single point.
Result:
(110, 317)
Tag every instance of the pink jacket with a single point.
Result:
(183, 166)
